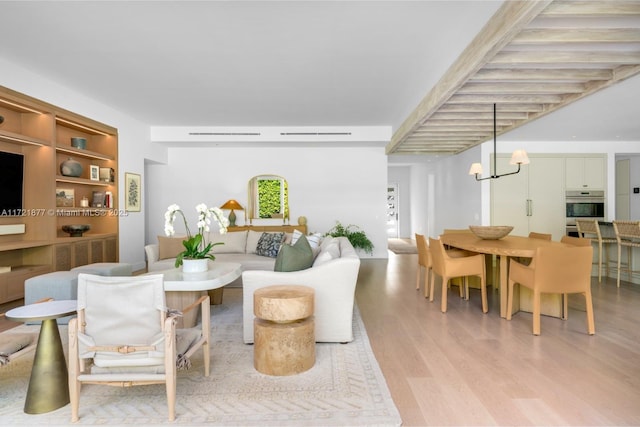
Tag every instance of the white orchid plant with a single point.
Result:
(196, 245)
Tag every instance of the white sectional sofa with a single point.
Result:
(333, 277)
(239, 246)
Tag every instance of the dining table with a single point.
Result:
(506, 248)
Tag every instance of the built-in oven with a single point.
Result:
(583, 205)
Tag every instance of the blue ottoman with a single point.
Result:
(59, 285)
(106, 269)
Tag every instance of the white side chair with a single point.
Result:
(124, 335)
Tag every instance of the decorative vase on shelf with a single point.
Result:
(71, 167)
(190, 265)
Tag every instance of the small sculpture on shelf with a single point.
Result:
(76, 230)
(71, 167)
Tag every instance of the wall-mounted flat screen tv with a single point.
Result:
(11, 180)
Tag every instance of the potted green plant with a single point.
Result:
(357, 237)
(195, 245)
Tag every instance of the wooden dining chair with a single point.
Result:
(556, 269)
(575, 241)
(628, 236)
(590, 230)
(541, 236)
(424, 264)
(448, 267)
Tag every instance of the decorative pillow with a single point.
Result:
(235, 242)
(169, 247)
(322, 258)
(326, 242)
(269, 244)
(295, 257)
(252, 241)
(313, 239)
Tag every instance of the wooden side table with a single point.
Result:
(284, 330)
(49, 382)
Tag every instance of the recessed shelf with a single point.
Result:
(84, 153)
(16, 138)
(82, 181)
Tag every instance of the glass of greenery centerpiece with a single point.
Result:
(197, 250)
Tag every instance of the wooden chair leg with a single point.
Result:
(418, 277)
(619, 256)
(599, 262)
(536, 312)
(433, 284)
(443, 306)
(510, 299)
(427, 282)
(565, 306)
(591, 327)
(483, 292)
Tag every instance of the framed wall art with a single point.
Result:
(94, 172)
(132, 192)
(65, 198)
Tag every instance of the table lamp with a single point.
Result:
(232, 204)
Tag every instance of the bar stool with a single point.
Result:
(628, 235)
(589, 228)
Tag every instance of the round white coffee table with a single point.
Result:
(49, 382)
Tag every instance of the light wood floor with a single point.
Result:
(469, 368)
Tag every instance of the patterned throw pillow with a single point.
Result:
(269, 244)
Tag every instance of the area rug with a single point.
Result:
(344, 388)
(402, 246)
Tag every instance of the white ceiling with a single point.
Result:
(274, 63)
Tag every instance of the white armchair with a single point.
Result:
(124, 335)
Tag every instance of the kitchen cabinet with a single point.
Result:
(585, 173)
(532, 200)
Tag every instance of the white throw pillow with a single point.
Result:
(322, 258)
(252, 241)
(235, 242)
(313, 239)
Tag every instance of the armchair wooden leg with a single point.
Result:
(418, 277)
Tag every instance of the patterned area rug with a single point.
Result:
(344, 388)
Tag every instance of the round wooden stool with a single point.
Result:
(284, 337)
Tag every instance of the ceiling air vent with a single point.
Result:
(314, 133)
(226, 133)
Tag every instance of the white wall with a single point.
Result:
(134, 143)
(325, 185)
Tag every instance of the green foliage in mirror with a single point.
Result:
(269, 197)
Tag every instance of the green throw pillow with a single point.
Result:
(295, 257)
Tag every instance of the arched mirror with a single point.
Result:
(268, 198)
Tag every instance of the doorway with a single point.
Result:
(392, 211)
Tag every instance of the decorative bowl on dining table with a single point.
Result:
(491, 232)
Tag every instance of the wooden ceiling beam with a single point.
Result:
(536, 74)
(506, 23)
(550, 36)
(565, 57)
(520, 88)
(588, 8)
